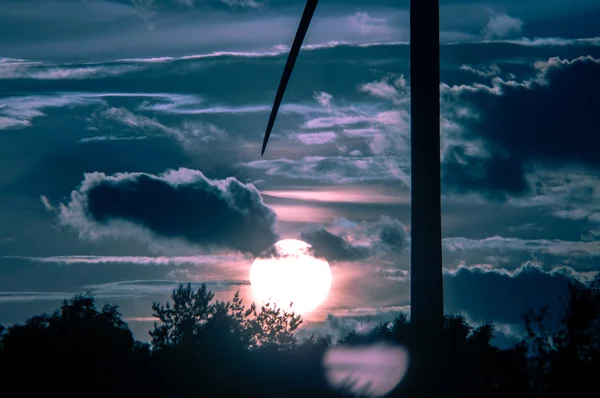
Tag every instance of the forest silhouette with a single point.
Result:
(204, 347)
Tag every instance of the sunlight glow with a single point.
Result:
(289, 273)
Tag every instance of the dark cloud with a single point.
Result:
(392, 234)
(180, 204)
(333, 247)
(503, 296)
(549, 120)
(495, 177)
(358, 241)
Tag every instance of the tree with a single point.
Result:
(565, 353)
(182, 321)
(193, 319)
(68, 350)
(223, 339)
(272, 328)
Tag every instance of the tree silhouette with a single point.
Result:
(272, 328)
(209, 347)
(182, 321)
(198, 335)
(69, 349)
(193, 318)
(565, 353)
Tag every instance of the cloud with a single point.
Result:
(100, 138)
(324, 137)
(376, 135)
(484, 292)
(303, 213)
(12, 123)
(550, 42)
(178, 204)
(324, 99)
(118, 290)
(568, 192)
(139, 260)
(501, 26)
(357, 241)
(337, 169)
(336, 194)
(243, 3)
(333, 247)
(551, 123)
(139, 289)
(18, 112)
(385, 132)
(392, 87)
(490, 71)
(179, 107)
(539, 246)
(7, 241)
(11, 69)
(335, 121)
(480, 291)
(188, 133)
(25, 297)
(47, 205)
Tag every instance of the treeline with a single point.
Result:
(203, 347)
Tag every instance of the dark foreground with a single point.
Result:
(206, 348)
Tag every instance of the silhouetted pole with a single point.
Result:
(426, 290)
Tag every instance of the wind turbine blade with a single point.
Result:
(309, 10)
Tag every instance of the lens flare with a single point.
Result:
(373, 370)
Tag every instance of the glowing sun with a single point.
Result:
(289, 273)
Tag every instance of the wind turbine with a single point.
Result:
(426, 249)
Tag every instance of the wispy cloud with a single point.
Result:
(13, 123)
(548, 42)
(47, 205)
(119, 290)
(337, 168)
(223, 260)
(501, 25)
(145, 288)
(323, 137)
(490, 71)
(101, 138)
(35, 70)
(394, 88)
(24, 297)
(542, 69)
(550, 246)
(187, 133)
(19, 111)
(335, 194)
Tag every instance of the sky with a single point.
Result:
(130, 134)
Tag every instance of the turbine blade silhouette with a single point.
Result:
(309, 10)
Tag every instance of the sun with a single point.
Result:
(289, 273)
